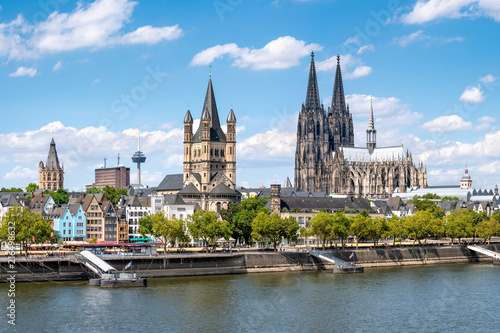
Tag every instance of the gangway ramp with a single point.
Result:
(494, 255)
(341, 266)
(96, 264)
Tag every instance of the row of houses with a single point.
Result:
(92, 217)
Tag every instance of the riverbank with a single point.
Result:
(195, 264)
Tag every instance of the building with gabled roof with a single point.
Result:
(51, 175)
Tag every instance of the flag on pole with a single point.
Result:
(352, 255)
(128, 265)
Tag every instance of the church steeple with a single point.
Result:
(371, 132)
(209, 112)
(312, 97)
(338, 98)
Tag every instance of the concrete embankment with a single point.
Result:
(240, 263)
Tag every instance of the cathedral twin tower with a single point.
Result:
(326, 158)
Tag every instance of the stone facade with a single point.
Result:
(326, 158)
(51, 175)
(209, 172)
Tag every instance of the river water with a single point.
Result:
(445, 298)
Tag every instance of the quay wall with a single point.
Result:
(64, 269)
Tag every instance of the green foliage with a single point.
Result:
(32, 187)
(114, 194)
(206, 226)
(377, 228)
(240, 216)
(489, 228)
(459, 224)
(395, 228)
(12, 189)
(24, 227)
(93, 190)
(321, 226)
(146, 225)
(274, 228)
(431, 196)
(93, 240)
(60, 197)
(341, 226)
(360, 225)
(448, 198)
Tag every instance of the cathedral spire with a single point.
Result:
(338, 98)
(371, 123)
(312, 97)
(371, 132)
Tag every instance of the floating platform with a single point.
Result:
(348, 269)
(119, 281)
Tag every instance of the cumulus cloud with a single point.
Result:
(352, 66)
(270, 144)
(24, 71)
(447, 124)
(96, 25)
(472, 95)
(21, 173)
(430, 10)
(283, 52)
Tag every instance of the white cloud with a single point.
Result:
(366, 48)
(430, 10)
(416, 36)
(488, 79)
(347, 62)
(487, 119)
(472, 95)
(81, 150)
(21, 173)
(419, 36)
(283, 52)
(151, 35)
(96, 81)
(270, 144)
(447, 124)
(95, 25)
(24, 71)
(57, 66)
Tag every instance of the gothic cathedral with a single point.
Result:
(326, 159)
(51, 175)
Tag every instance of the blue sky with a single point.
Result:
(91, 73)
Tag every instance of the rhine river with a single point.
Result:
(443, 298)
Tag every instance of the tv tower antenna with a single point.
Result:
(139, 157)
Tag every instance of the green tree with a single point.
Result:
(270, 227)
(206, 226)
(32, 187)
(169, 231)
(377, 228)
(488, 228)
(459, 225)
(24, 227)
(448, 198)
(146, 225)
(415, 226)
(395, 228)
(291, 229)
(60, 197)
(114, 194)
(360, 227)
(431, 196)
(321, 226)
(340, 227)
